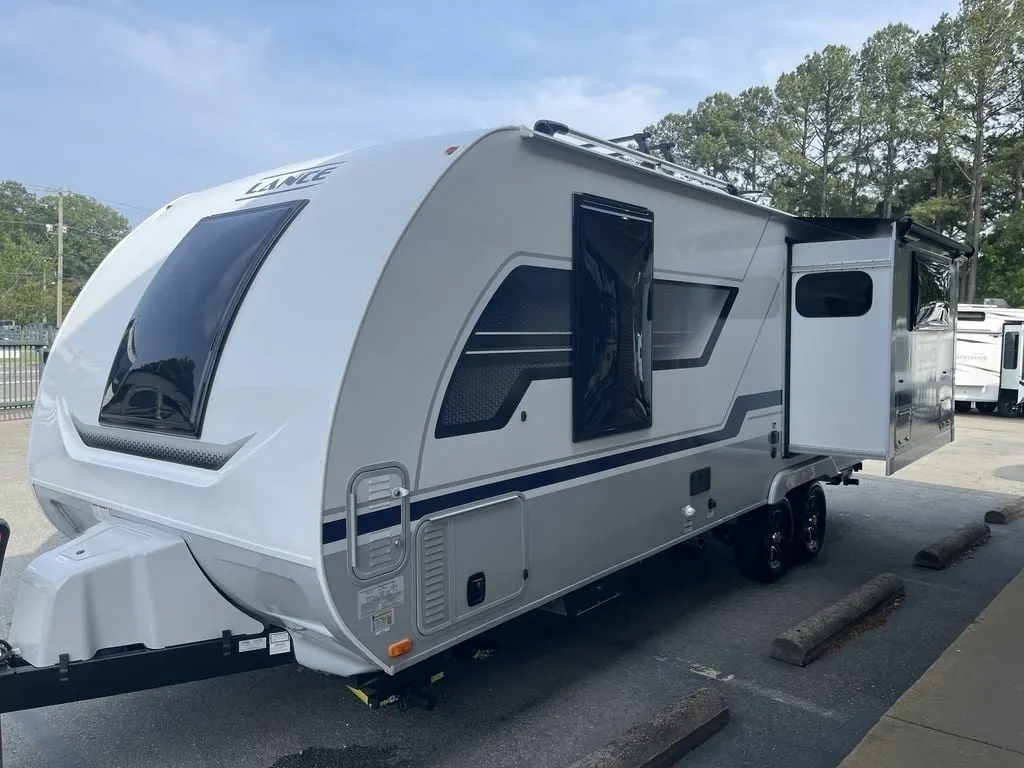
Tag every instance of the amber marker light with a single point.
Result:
(400, 648)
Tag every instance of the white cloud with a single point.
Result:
(196, 104)
(226, 90)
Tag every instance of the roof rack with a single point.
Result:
(610, 148)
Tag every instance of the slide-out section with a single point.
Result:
(871, 344)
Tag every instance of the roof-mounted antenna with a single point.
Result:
(550, 127)
(666, 148)
(640, 139)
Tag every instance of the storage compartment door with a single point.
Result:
(1013, 352)
(840, 392)
(469, 561)
(378, 520)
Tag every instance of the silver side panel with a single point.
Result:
(564, 535)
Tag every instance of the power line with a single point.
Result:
(78, 230)
(142, 208)
(53, 189)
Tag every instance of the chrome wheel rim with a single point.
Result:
(812, 526)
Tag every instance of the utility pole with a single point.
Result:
(60, 256)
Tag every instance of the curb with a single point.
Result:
(667, 737)
(1006, 513)
(940, 554)
(803, 643)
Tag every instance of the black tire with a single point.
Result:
(1006, 408)
(763, 542)
(810, 518)
(963, 406)
(985, 407)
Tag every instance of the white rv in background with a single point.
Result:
(530, 358)
(989, 359)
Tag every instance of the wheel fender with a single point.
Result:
(787, 479)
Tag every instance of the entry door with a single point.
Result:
(1013, 350)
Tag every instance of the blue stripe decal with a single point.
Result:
(385, 518)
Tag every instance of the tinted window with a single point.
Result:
(164, 364)
(522, 336)
(1010, 350)
(834, 294)
(929, 292)
(688, 317)
(612, 282)
(977, 317)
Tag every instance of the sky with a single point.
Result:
(136, 102)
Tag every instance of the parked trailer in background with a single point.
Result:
(989, 359)
(534, 358)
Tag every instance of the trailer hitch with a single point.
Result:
(406, 691)
(414, 696)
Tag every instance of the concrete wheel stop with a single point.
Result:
(803, 643)
(943, 552)
(1007, 513)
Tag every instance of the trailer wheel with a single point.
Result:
(1006, 408)
(985, 407)
(763, 542)
(809, 519)
(963, 406)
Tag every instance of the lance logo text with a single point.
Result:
(286, 182)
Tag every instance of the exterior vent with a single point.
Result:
(433, 577)
(379, 554)
(378, 489)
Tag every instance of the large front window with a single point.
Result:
(164, 365)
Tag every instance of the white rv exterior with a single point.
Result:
(989, 359)
(391, 398)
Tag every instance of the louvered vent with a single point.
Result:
(378, 490)
(379, 554)
(434, 577)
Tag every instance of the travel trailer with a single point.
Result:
(989, 359)
(528, 359)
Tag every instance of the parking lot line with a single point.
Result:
(780, 697)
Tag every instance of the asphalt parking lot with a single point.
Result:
(551, 691)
